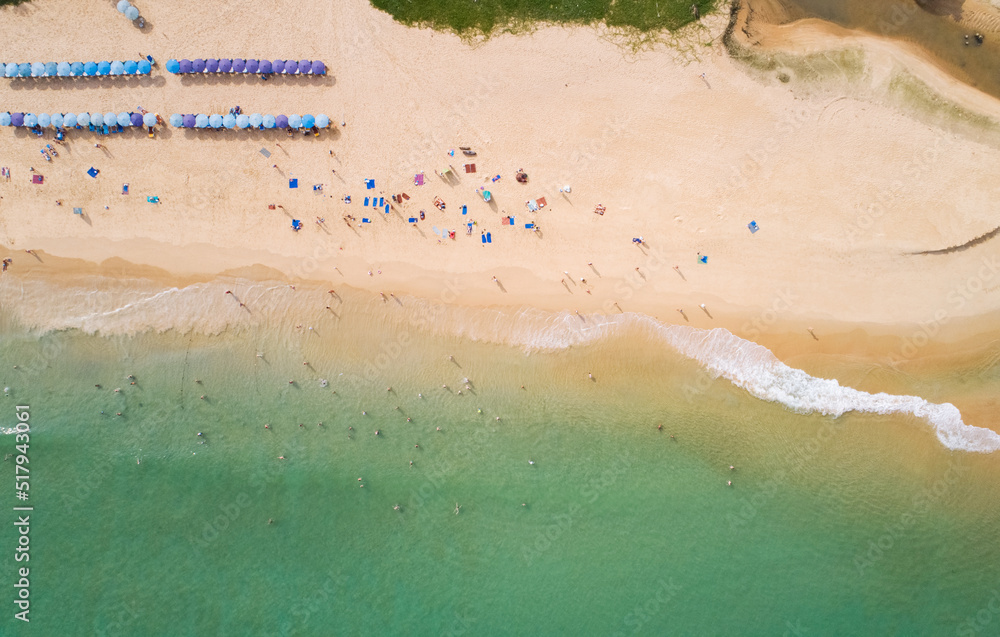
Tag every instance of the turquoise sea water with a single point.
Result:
(864, 524)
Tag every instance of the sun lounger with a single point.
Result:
(483, 237)
(296, 224)
(317, 187)
(381, 201)
(52, 150)
(489, 238)
(386, 207)
(405, 196)
(529, 226)
(45, 155)
(470, 168)
(413, 219)
(370, 184)
(496, 179)
(465, 210)
(367, 200)
(293, 183)
(106, 131)
(365, 220)
(124, 189)
(93, 172)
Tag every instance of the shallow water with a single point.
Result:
(862, 524)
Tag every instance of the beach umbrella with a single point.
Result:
(90, 68)
(215, 120)
(308, 121)
(198, 66)
(4, 119)
(225, 65)
(132, 13)
(96, 119)
(229, 121)
(176, 120)
(268, 121)
(110, 119)
(212, 65)
(173, 66)
(281, 121)
(305, 66)
(83, 119)
(265, 67)
(318, 68)
(44, 120)
(136, 119)
(69, 120)
(63, 69)
(184, 66)
(252, 66)
(117, 68)
(278, 66)
(123, 119)
(123, 5)
(51, 69)
(144, 67)
(11, 69)
(131, 67)
(149, 119)
(294, 121)
(189, 121)
(30, 120)
(24, 69)
(239, 65)
(17, 119)
(243, 121)
(76, 69)
(37, 69)
(103, 68)
(256, 120)
(57, 120)
(201, 121)
(322, 121)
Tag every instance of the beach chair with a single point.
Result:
(347, 199)
(489, 238)
(483, 237)
(152, 199)
(753, 227)
(470, 168)
(367, 199)
(317, 187)
(370, 184)
(386, 208)
(365, 220)
(152, 62)
(465, 210)
(381, 201)
(496, 179)
(405, 196)
(106, 131)
(529, 226)
(293, 183)
(52, 150)
(45, 155)
(412, 219)
(124, 189)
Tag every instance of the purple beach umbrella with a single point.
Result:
(265, 67)
(281, 121)
(189, 121)
(225, 65)
(17, 119)
(184, 66)
(198, 66)
(212, 65)
(278, 66)
(136, 119)
(305, 66)
(239, 65)
(252, 66)
(318, 68)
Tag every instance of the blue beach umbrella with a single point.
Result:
(215, 120)
(176, 120)
(117, 68)
(97, 119)
(63, 69)
(4, 119)
(135, 119)
(130, 67)
(268, 121)
(110, 119)
(103, 68)
(201, 121)
(10, 70)
(305, 66)
(198, 66)
(124, 119)
(322, 121)
(37, 69)
(90, 68)
(318, 68)
(278, 66)
(308, 121)
(253, 66)
(295, 121)
(69, 120)
(30, 120)
(24, 69)
(281, 121)
(239, 65)
(173, 66)
(243, 121)
(76, 69)
(149, 119)
(184, 66)
(144, 67)
(83, 119)
(212, 65)
(265, 67)
(190, 121)
(51, 69)
(256, 120)
(225, 65)
(17, 119)
(123, 5)
(57, 120)
(132, 13)
(229, 121)
(44, 120)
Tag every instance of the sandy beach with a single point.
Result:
(683, 150)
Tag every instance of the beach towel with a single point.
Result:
(37, 179)
(541, 202)
(124, 189)
(489, 238)
(381, 201)
(153, 199)
(470, 168)
(365, 220)
(465, 210)
(296, 224)
(78, 211)
(317, 187)
(702, 259)
(386, 208)
(418, 180)
(265, 152)
(496, 179)
(532, 205)
(92, 172)
(413, 219)
(405, 196)
(529, 225)
(505, 221)
(483, 237)
(370, 184)
(367, 199)
(293, 183)
(753, 227)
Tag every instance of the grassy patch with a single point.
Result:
(11, 2)
(915, 95)
(485, 17)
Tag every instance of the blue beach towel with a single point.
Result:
(296, 224)
(529, 225)
(465, 210)
(483, 237)
(293, 183)
(93, 172)
(702, 259)
(370, 184)
(381, 201)
(413, 219)
(367, 199)
(365, 220)
(386, 208)
(489, 238)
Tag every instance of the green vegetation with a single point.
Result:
(12, 2)
(485, 17)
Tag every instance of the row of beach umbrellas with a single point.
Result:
(256, 120)
(75, 69)
(239, 65)
(69, 120)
